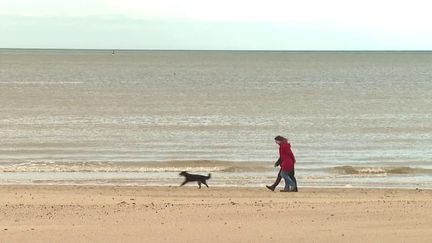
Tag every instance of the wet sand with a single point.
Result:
(173, 214)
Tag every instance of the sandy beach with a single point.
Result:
(172, 214)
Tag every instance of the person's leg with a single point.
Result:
(276, 183)
(293, 179)
(278, 180)
(288, 182)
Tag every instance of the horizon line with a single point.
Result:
(236, 50)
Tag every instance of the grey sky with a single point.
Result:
(202, 24)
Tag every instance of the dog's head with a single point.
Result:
(183, 173)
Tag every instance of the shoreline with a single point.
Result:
(213, 186)
(44, 213)
(225, 173)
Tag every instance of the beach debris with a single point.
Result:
(122, 203)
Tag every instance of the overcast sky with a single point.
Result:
(221, 24)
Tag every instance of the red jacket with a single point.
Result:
(286, 156)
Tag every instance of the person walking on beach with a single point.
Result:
(286, 161)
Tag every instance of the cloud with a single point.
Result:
(128, 33)
(223, 24)
(59, 8)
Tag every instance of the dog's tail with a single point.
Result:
(209, 176)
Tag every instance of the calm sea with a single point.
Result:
(360, 119)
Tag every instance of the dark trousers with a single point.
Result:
(279, 178)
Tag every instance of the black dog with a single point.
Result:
(198, 178)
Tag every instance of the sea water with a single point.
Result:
(361, 119)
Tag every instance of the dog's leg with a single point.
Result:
(205, 183)
(184, 182)
(199, 185)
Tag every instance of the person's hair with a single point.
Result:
(280, 138)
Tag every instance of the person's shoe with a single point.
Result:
(270, 188)
(295, 189)
(284, 191)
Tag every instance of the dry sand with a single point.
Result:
(173, 214)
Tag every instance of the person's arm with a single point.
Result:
(277, 162)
